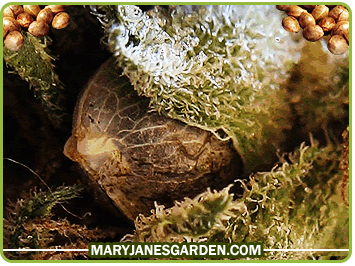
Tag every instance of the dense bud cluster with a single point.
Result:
(33, 18)
(318, 21)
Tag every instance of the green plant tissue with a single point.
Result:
(214, 67)
(296, 205)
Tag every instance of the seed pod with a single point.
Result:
(306, 19)
(283, 7)
(33, 10)
(8, 12)
(313, 33)
(45, 15)
(24, 19)
(320, 12)
(336, 11)
(327, 24)
(344, 16)
(11, 24)
(38, 28)
(16, 9)
(55, 8)
(295, 11)
(61, 20)
(290, 24)
(14, 41)
(337, 45)
(341, 28)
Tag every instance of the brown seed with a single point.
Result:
(283, 7)
(306, 19)
(320, 12)
(81, 148)
(24, 19)
(295, 11)
(11, 24)
(308, 7)
(291, 24)
(45, 15)
(55, 8)
(5, 30)
(16, 9)
(14, 41)
(38, 28)
(337, 45)
(336, 11)
(60, 20)
(327, 24)
(8, 12)
(331, 6)
(344, 16)
(341, 28)
(346, 36)
(313, 33)
(33, 10)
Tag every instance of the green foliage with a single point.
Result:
(295, 205)
(37, 205)
(319, 88)
(33, 64)
(220, 68)
(190, 219)
(214, 67)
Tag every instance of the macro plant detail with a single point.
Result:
(178, 124)
(277, 208)
(202, 69)
(138, 157)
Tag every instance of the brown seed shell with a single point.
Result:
(24, 19)
(291, 24)
(341, 28)
(55, 8)
(295, 11)
(8, 12)
(16, 9)
(308, 7)
(38, 28)
(5, 30)
(346, 36)
(14, 41)
(327, 24)
(306, 19)
(60, 20)
(337, 45)
(45, 15)
(283, 7)
(344, 16)
(11, 24)
(135, 177)
(336, 11)
(33, 10)
(320, 12)
(313, 33)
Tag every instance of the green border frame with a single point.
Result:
(183, 261)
